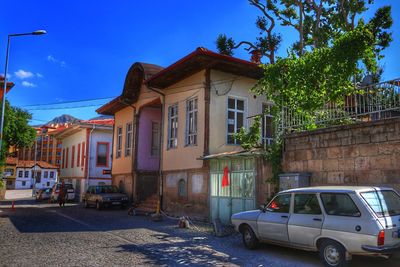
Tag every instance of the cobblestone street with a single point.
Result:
(44, 234)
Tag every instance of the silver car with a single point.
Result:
(337, 221)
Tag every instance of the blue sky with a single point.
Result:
(91, 44)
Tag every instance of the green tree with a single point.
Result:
(318, 24)
(17, 132)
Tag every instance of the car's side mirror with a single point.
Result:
(263, 207)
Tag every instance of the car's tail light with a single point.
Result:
(381, 238)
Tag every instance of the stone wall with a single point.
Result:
(359, 154)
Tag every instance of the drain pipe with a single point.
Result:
(160, 188)
(88, 157)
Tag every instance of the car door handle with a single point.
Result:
(317, 219)
(284, 216)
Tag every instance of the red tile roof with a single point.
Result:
(100, 122)
(203, 58)
(11, 161)
(29, 163)
(9, 86)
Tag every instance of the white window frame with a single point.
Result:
(191, 134)
(118, 147)
(236, 111)
(128, 139)
(172, 141)
(266, 111)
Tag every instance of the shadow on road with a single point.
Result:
(163, 242)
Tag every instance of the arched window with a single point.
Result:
(182, 191)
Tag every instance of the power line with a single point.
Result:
(192, 86)
(54, 108)
(68, 102)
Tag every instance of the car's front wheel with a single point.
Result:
(332, 254)
(86, 204)
(249, 238)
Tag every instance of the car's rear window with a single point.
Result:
(67, 186)
(106, 189)
(383, 203)
(339, 204)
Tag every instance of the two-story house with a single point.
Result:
(86, 154)
(31, 174)
(207, 100)
(178, 123)
(136, 144)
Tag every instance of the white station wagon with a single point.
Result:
(337, 221)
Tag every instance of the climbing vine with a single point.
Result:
(305, 84)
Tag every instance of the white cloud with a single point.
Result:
(52, 59)
(39, 75)
(28, 84)
(23, 74)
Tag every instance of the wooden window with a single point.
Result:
(267, 126)
(128, 139)
(26, 174)
(172, 126)
(236, 115)
(155, 138)
(20, 174)
(102, 154)
(72, 156)
(46, 174)
(83, 154)
(51, 174)
(78, 156)
(119, 142)
(191, 122)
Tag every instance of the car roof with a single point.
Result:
(334, 189)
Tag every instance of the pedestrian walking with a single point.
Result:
(62, 194)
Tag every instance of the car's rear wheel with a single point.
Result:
(98, 205)
(249, 238)
(86, 204)
(332, 254)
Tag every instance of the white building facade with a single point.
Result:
(29, 175)
(86, 154)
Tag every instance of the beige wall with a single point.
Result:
(146, 96)
(122, 164)
(67, 142)
(219, 106)
(184, 157)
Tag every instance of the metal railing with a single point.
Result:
(370, 103)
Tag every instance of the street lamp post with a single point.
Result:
(38, 32)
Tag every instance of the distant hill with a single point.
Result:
(102, 117)
(63, 119)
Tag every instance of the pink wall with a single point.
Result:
(145, 160)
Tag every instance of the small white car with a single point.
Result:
(337, 221)
(56, 190)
